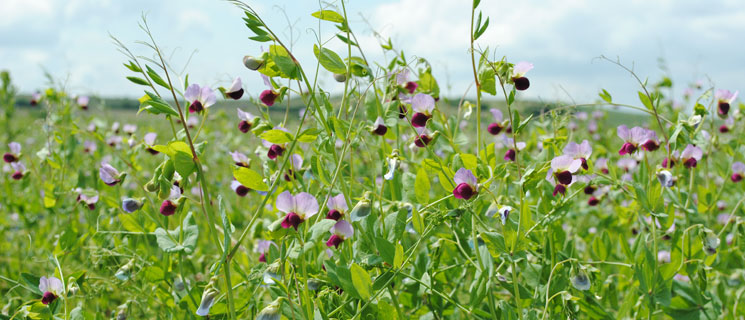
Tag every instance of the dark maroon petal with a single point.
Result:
(196, 106)
(262, 258)
(268, 97)
(411, 86)
(508, 130)
(736, 177)
(723, 109)
(242, 191)
(402, 111)
(584, 164)
(494, 128)
(422, 141)
(334, 215)
(292, 220)
(593, 201)
(9, 157)
(605, 170)
(560, 188)
(48, 297)
(91, 206)
(244, 126)
(380, 130)
(589, 189)
(464, 191)
(521, 83)
(723, 128)
(650, 145)
(510, 155)
(152, 151)
(627, 148)
(167, 208)
(275, 151)
(419, 120)
(564, 177)
(235, 95)
(690, 163)
(17, 175)
(334, 241)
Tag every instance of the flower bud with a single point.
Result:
(362, 209)
(340, 77)
(252, 63)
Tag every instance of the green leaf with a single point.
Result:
(184, 163)
(189, 241)
(320, 228)
(284, 62)
(249, 178)
(487, 79)
(156, 78)
(417, 221)
(361, 281)
(139, 81)
(481, 31)
(330, 60)
(606, 96)
(645, 100)
(495, 243)
(276, 136)
(387, 250)
(328, 15)
(398, 258)
(422, 186)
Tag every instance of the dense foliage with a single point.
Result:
(378, 205)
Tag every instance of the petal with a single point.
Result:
(108, 173)
(423, 103)
(234, 184)
(192, 92)
(623, 132)
(738, 167)
(343, 228)
(208, 97)
(465, 176)
(497, 114)
(243, 115)
(338, 202)
(15, 148)
(575, 165)
(55, 285)
(175, 192)
(637, 135)
(521, 68)
(266, 81)
(585, 150)
(306, 204)
(402, 77)
(83, 100)
(236, 85)
(297, 161)
(572, 149)
(43, 285)
(150, 138)
(378, 122)
(562, 162)
(285, 202)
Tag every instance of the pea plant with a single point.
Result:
(386, 200)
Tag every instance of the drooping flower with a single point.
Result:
(666, 178)
(724, 99)
(691, 155)
(423, 138)
(422, 104)
(393, 163)
(199, 98)
(83, 102)
(169, 206)
(88, 197)
(14, 154)
(496, 127)
(466, 184)
(109, 175)
(379, 127)
(262, 247)
(738, 171)
(51, 288)
(240, 159)
(297, 208)
(296, 164)
(632, 138)
(149, 140)
(208, 297)
(341, 231)
(130, 205)
(561, 170)
(246, 120)
(579, 151)
(518, 75)
(581, 281)
(239, 189)
(337, 207)
(235, 91)
(268, 96)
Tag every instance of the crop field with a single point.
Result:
(386, 199)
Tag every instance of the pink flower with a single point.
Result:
(341, 231)
(262, 247)
(109, 175)
(496, 127)
(337, 207)
(634, 137)
(235, 91)
(275, 150)
(200, 98)
(240, 159)
(423, 138)
(83, 102)
(169, 206)
(724, 99)
(297, 208)
(14, 154)
(379, 127)
(268, 96)
(579, 151)
(518, 75)
(246, 120)
(296, 164)
(422, 104)
(691, 155)
(239, 189)
(562, 168)
(738, 171)
(51, 287)
(466, 184)
(87, 197)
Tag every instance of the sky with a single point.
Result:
(698, 40)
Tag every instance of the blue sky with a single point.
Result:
(697, 39)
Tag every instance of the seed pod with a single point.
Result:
(340, 77)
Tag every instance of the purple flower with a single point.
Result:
(296, 164)
(579, 151)
(627, 164)
(130, 205)
(341, 231)
(561, 169)
(379, 127)
(466, 184)
(275, 150)
(262, 247)
(402, 79)
(149, 140)
(496, 127)
(239, 189)
(422, 104)
(423, 138)
(87, 197)
(35, 98)
(51, 287)
(240, 159)
(109, 175)
(632, 138)
(199, 98)
(511, 153)
(670, 162)
(724, 99)
(297, 208)
(169, 206)
(518, 75)
(663, 256)
(208, 297)
(129, 129)
(235, 91)
(691, 155)
(602, 165)
(14, 154)
(83, 102)
(337, 207)
(738, 171)
(268, 96)
(246, 120)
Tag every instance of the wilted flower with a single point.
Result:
(262, 247)
(51, 288)
(83, 102)
(337, 207)
(199, 98)
(125, 272)
(711, 242)
(240, 159)
(580, 281)
(239, 189)
(379, 127)
(130, 205)
(169, 206)
(246, 120)
(466, 184)
(87, 197)
(268, 96)
(208, 297)
(691, 155)
(724, 99)
(297, 208)
(579, 151)
(422, 104)
(496, 127)
(14, 154)
(235, 91)
(665, 178)
(109, 175)
(738, 171)
(341, 231)
(518, 75)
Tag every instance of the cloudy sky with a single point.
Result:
(697, 39)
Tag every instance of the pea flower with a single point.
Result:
(466, 184)
(297, 208)
(262, 247)
(87, 197)
(729, 123)
(208, 297)
(149, 140)
(130, 205)
(665, 178)
(247, 120)
(379, 127)
(602, 165)
(511, 153)
(518, 75)
(627, 164)
(51, 288)
(423, 138)
(402, 79)
(337, 207)
(270, 312)
(724, 99)
(109, 175)
(579, 151)
(239, 189)
(422, 104)
(89, 146)
(634, 137)
(562, 168)
(738, 171)
(580, 281)
(240, 159)
(19, 170)
(169, 206)
(114, 141)
(252, 63)
(35, 98)
(691, 155)
(663, 256)
(393, 163)
(341, 231)
(115, 127)
(268, 96)
(129, 129)
(14, 154)
(199, 97)
(496, 127)
(235, 91)
(296, 164)
(711, 242)
(275, 150)
(670, 162)
(83, 102)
